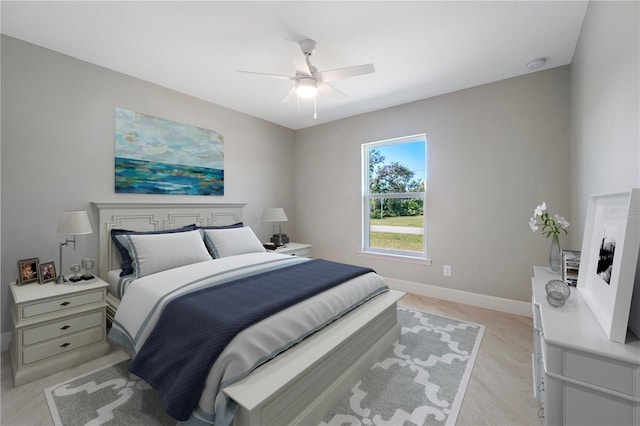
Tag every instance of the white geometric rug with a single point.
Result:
(421, 381)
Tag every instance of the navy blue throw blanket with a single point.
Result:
(194, 329)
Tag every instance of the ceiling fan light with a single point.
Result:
(306, 87)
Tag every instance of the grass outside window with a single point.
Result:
(415, 221)
(397, 240)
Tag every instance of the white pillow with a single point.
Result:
(153, 253)
(232, 241)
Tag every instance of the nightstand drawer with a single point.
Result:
(64, 327)
(61, 345)
(295, 249)
(301, 252)
(60, 304)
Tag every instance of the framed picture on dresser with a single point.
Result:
(610, 248)
(47, 272)
(28, 271)
(570, 267)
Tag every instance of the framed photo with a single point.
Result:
(610, 247)
(47, 272)
(28, 271)
(570, 267)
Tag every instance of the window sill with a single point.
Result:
(406, 259)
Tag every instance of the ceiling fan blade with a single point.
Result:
(281, 77)
(300, 62)
(330, 90)
(347, 72)
(290, 95)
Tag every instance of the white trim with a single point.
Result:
(5, 340)
(366, 196)
(489, 302)
(396, 257)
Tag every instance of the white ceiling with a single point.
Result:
(419, 49)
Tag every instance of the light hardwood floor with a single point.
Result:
(499, 392)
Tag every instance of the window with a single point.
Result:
(394, 190)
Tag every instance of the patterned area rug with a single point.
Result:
(421, 381)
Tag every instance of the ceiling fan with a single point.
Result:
(309, 81)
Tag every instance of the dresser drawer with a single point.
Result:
(63, 327)
(604, 372)
(35, 309)
(61, 345)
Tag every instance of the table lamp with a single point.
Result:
(276, 215)
(72, 223)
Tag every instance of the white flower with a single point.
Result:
(550, 226)
(540, 209)
(562, 221)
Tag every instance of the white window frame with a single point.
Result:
(367, 197)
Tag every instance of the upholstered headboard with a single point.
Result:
(155, 217)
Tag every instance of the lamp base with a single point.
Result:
(280, 239)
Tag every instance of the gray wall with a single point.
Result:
(494, 153)
(58, 151)
(605, 112)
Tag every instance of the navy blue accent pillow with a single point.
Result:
(235, 225)
(126, 265)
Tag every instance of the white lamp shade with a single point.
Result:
(274, 215)
(74, 223)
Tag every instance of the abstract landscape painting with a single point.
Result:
(158, 156)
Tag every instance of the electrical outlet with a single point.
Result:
(446, 270)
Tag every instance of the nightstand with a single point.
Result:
(56, 326)
(295, 249)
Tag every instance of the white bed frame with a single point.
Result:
(303, 383)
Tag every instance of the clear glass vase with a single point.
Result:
(557, 292)
(555, 258)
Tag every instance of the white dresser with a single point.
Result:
(56, 326)
(580, 377)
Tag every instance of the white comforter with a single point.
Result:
(145, 298)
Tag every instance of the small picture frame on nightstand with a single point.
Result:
(28, 271)
(47, 272)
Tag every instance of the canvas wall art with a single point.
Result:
(158, 156)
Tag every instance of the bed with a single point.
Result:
(302, 377)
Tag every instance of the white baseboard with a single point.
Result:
(489, 302)
(5, 340)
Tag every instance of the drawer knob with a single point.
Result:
(64, 303)
(65, 327)
(541, 413)
(64, 345)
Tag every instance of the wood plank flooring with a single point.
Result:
(499, 392)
